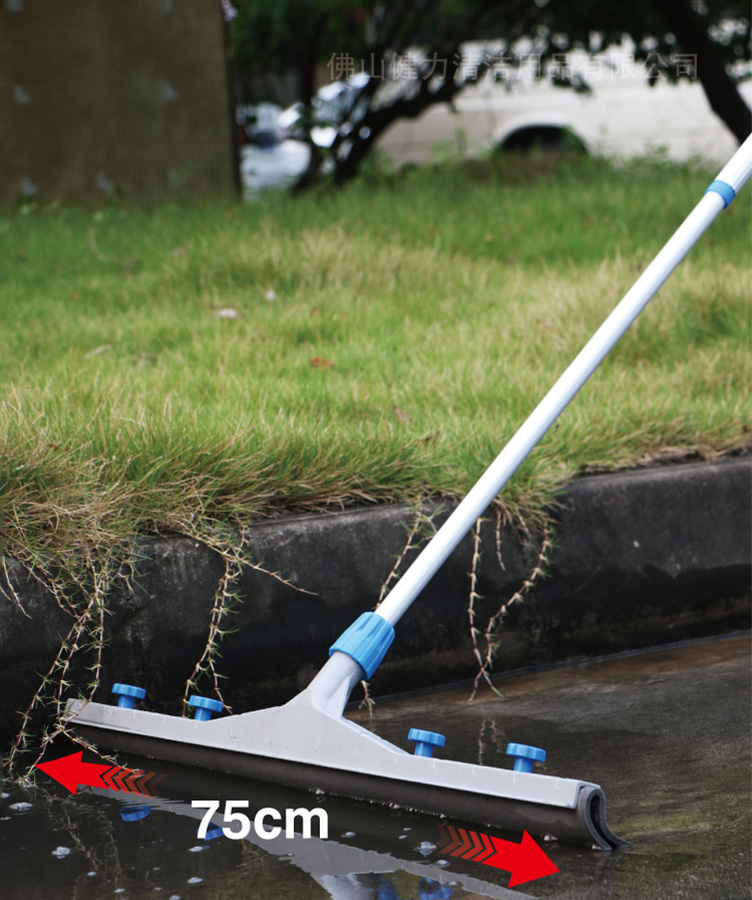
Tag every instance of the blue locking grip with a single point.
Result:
(724, 189)
(366, 641)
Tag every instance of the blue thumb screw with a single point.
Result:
(425, 741)
(205, 706)
(128, 694)
(525, 756)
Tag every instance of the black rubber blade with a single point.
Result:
(585, 824)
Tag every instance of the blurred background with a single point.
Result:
(155, 98)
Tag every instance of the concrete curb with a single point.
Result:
(641, 558)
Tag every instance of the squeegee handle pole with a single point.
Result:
(738, 169)
(474, 504)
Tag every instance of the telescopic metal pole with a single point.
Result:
(717, 197)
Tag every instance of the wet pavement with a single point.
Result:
(666, 734)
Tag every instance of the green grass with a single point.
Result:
(389, 340)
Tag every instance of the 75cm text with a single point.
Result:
(238, 825)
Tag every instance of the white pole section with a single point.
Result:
(474, 504)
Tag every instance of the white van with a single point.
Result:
(622, 115)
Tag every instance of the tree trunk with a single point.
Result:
(723, 96)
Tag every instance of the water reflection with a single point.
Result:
(99, 843)
(667, 735)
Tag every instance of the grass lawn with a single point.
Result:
(183, 367)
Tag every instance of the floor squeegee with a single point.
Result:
(307, 743)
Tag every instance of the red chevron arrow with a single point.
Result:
(454, 840)
(444, 839)
(134, 775)
(526, 861)
(466, 844)
(107, 778)
(147, 784)
(488, 848)
(71, 771)
(476, 848)
(118, 779)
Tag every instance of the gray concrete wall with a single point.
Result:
(640, 558)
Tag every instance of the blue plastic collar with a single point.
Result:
(725, 190)
(366, 641)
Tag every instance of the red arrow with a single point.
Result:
(526, 861)
(71, 771)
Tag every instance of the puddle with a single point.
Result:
(667, 735)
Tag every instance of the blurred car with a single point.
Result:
(273, 165)
(333, 104)
(268, 157)
(274, 150)
(259, 124)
